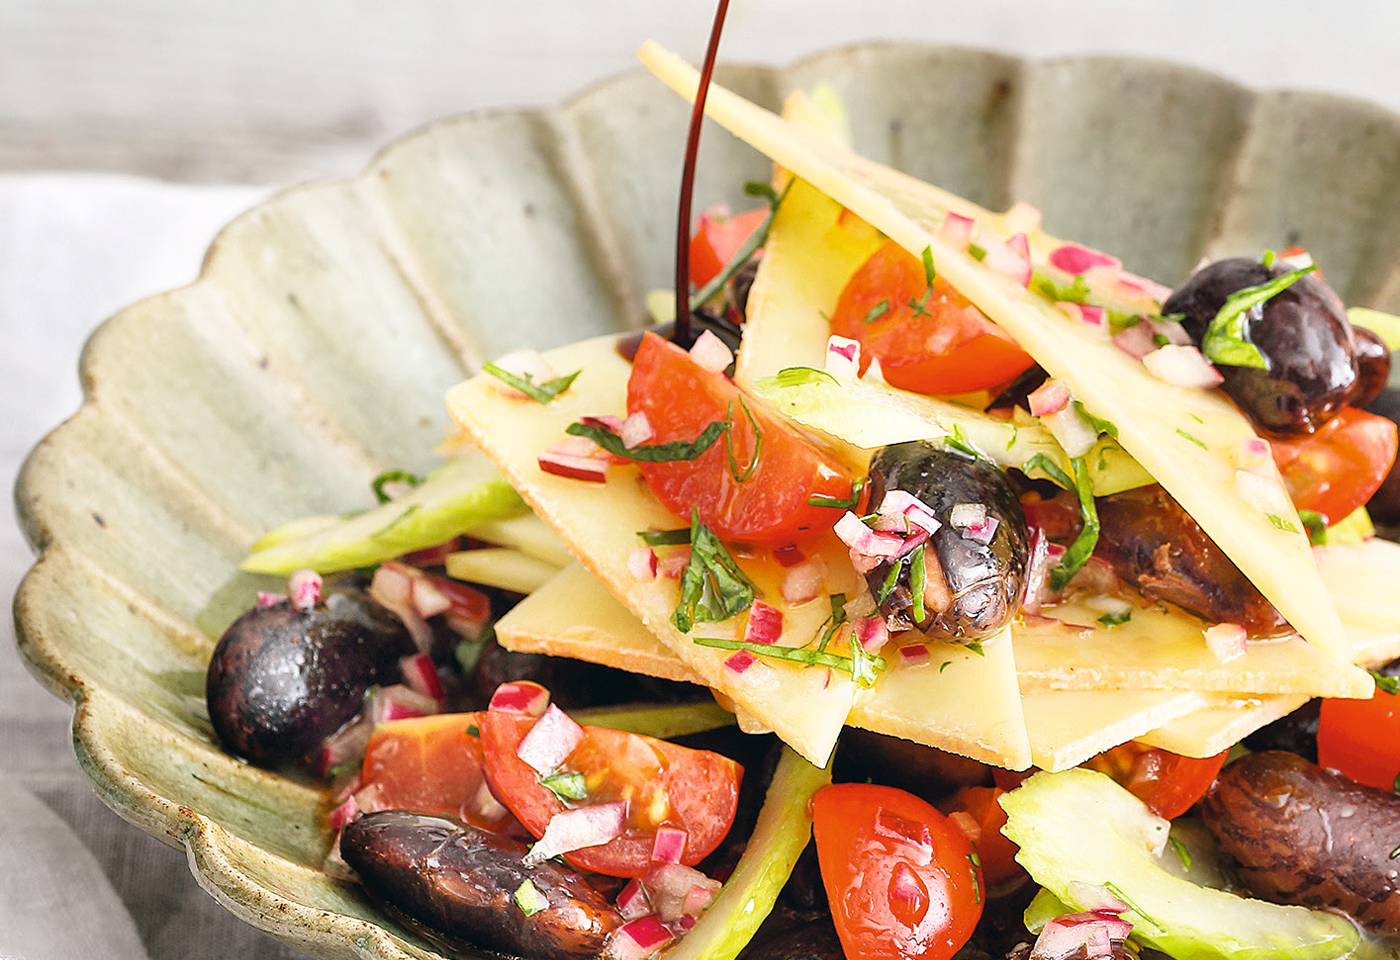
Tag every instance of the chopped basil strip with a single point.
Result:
(837, 618)
(847, 503)
(566, 786)
(667, 452)
(1076, 291)
(977, 649)
(1225, 340)
(806, 655)
(665, 538)
(713, 588)
(1281, 523)
(976, 252)
(529, 900)
(1116, 619)
(1316, 526)
(927, 257)
(538, 392)
(1113, 889)
(1183, 854)
(877, 311)
(392, 476)
(891, 578)
(734, 471)
(1390, 685)
(1196, 440)
(976, 862)
(957, 442)
(749, 247)
(1083, 547)
(917, 573)
(799, 377)
(1106, 427)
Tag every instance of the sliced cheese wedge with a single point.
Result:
(1221, 724)
(953, 699)
(1068, 727)
(599, 523)
(1189, 440)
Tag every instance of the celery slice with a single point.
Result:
(463, 492)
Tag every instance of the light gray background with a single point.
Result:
(129, 131)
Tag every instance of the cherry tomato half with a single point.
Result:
(928, 337)
(1338, 468)
(1361, 738)
(771, 506)
(902, 880)
(717, 240)
(433, 765)
(1169, 783)
(664, 784)
(996, 851)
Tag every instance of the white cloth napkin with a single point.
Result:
(76, 880)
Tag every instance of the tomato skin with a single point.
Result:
(1169, 783)
(433, 765)
(716, 241)
(862, 858)
(1338, 468)
(700, 790)
(1361, 738)
(770, 508)
(996, 851)
(946, 346)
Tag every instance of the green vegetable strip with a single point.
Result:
(1083, 547)
(1225, 341)
(668, 452)
(782, 832)
(804, 655)
(713, 588)
(538, 392)
(750, 246)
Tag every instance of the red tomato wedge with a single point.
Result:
(902, 880)
(1361, 738)
(928, 337)
(1169, 783)
(996, 851)
(664, 784)
(771, 506)
(717, 240)
(433, 765)
(1338, 468)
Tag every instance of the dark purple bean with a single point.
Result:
(986, 579)
(1309, 836)
(459, 883)
(1372, 366)
(1154, 545)
(1303, 333)
(281, 680)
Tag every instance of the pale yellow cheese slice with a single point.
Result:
(1068, 727)
(955, 699)
(599, 522)
(1188, 440)
(1221, 724)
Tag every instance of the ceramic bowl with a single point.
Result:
(314, 351)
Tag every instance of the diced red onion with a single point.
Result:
(642, 563)
(304, 589)
(673, 563)
(393, 586)
(428, 600)
(871, 633)
(637, 939)
(1037, 572)
(583, 447)
(711, 353)
(915, 540)
(1227, 641)
(1136, 341)
(981, 532)
(469, 609)
(739, 661)
(1022, 216)
(864, 541)
(803, 582)
(1074, 258)
(578, 828)
(967, 515)
(1088, 314)
(526, 364)
(1171, 331)
(1080, 935)
(550, 740)
(678, 891)
(398, 702)
(764, 624)
(668, 845)
(610, 422)
(520, 696)
(789, 555)
(636, 429)
(1182, 367)
(957, 230)
(1003, 258)
(573, 467)
(343, 814)
(842, 357)
(908, 509)
(697, 898)
(420, 675)
(1050, 396)
(913, 652)
(632, 902)
(266, 598)
(1150, 289)
(346, 745)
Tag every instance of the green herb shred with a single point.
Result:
(538, 392)
(668, 452)
(713, 588)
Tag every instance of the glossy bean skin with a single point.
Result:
(1154, 545)
(986, 580)
(1303, 333)
(1305, 835)
(458, 882)
(1384, 505)
(1372, 366)
(281, 680)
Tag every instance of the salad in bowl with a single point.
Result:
(950, 544)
